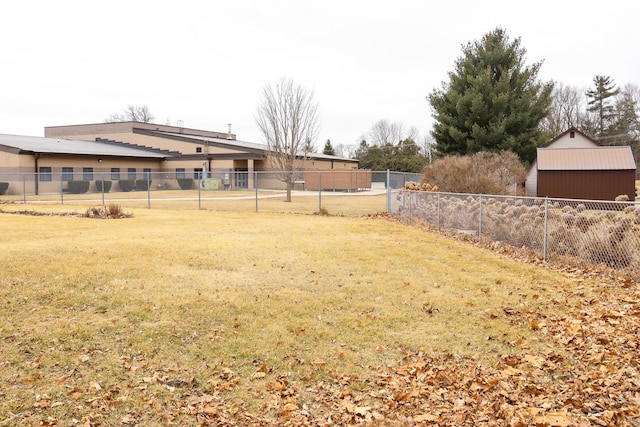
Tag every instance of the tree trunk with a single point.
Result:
(289, 188)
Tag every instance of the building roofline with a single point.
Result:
(170, 153)
(64, 146)
(571, 129)
(250, 147)
(81, 129)
(199, 139)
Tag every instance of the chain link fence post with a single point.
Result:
(255, 185)
(388, 192)
(480, 220)
(102, 186)
(546, 229)
(319, 192)
(148, 176)
(199, 190)
(438, 211)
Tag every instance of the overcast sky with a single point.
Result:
(205, 62)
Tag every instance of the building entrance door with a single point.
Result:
(241, 178)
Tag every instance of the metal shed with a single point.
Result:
(598, 173)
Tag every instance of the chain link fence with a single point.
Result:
(596, 232)
(334, 192)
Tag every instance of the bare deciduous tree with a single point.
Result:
(567, 104)
(384, 132)
(427, 146)
(413, 133)
(287, 117)
(345, 150)
(133, 113)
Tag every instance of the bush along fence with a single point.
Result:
(596, 232)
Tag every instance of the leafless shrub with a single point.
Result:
(609, 247)
(482, 173)
(583, 222)
(607, 237)
(113, 211)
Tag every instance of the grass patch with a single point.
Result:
(106, 319)
(306, 202)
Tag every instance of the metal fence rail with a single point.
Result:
(596, 232)
(337, 192)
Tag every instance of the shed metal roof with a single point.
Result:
(596, 158)
(36, 144)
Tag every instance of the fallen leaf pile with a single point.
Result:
(589, 375)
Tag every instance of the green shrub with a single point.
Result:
(185, 183)
(103, 186)
(143, 184)
(3, 187)
(126, 185)
(78, 187)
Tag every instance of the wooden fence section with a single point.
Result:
(356, 180)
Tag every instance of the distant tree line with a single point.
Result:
(493, 101)
(391, 147)
(133, 113)
(606, 112)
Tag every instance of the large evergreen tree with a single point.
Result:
(601, 105)
(492, 102)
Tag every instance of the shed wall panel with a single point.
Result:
(590, 185)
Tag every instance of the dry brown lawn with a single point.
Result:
(306, 202)
(200, 317)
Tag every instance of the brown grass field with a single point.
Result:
(307, 202)
(204, 317)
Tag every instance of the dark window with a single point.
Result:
(198, 149)
(147, 173)
(180, 173)
(572, 134)
(115, 174)
(197, 173)
(45, 173)
(67, 174)
(87, 174)
(131, 173)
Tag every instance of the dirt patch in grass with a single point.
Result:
(36, 213)
(111, 211)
